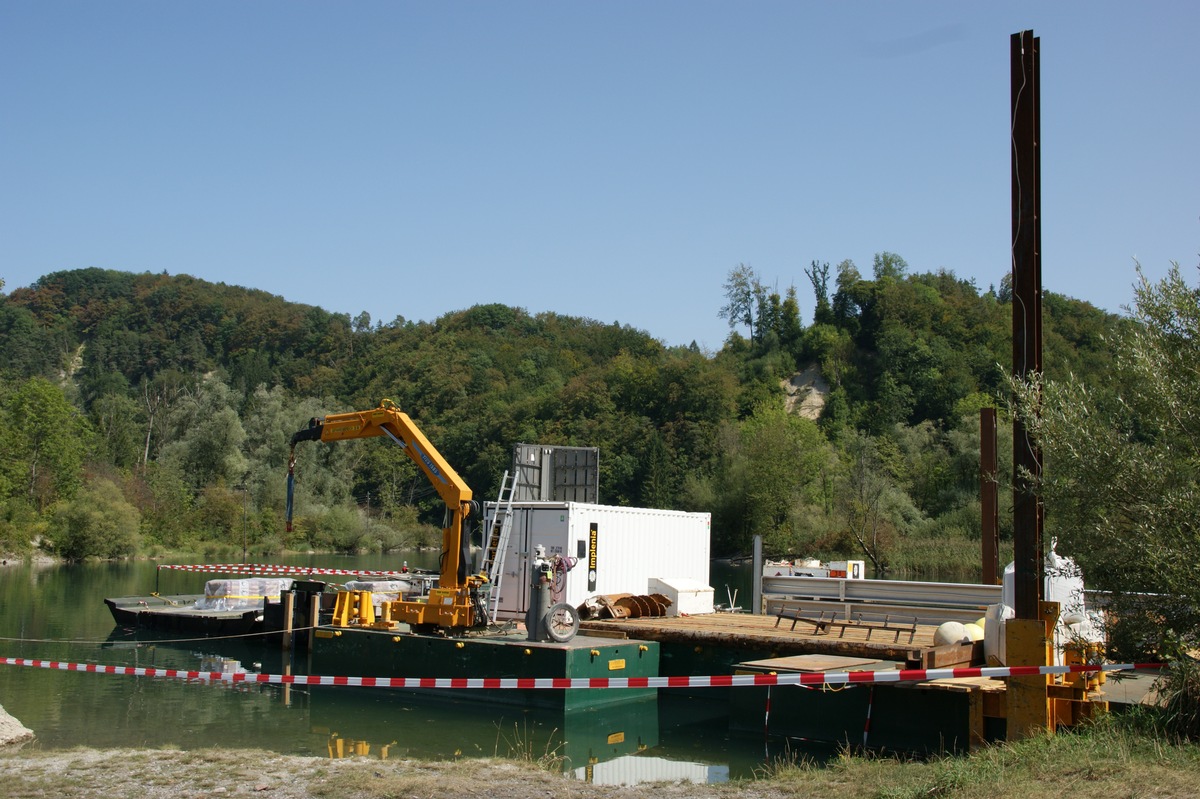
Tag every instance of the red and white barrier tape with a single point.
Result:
(560, 683)
(264, 570)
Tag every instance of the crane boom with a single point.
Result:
(452, 604)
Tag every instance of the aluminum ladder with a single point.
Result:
(497, 544)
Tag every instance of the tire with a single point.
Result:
(562, 622)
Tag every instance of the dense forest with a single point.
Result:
(151, 412)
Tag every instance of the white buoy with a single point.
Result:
(951, 632)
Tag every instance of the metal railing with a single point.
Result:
(928, 603)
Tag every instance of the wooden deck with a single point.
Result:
(745, 631)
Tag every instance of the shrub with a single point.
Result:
(1179, 692)
(96, 522)
(16, 521)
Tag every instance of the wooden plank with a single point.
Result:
(810, 663)
(975, 720)
(945, 656)
(982, 684)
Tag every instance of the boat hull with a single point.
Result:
(177, 614)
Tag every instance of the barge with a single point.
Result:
(226, 608)
(394, 653)
(178, 614)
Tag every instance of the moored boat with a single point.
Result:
(249, 603)
(227, 607)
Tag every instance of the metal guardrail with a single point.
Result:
(928, 603)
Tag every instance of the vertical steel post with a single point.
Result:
(289, 608)
(756, 588)
(1027, 314)
(989, 496)
(314, 618)
(1027, 635)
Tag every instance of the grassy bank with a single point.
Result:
(1109, 760)
(1106, 761)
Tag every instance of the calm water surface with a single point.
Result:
(58, 613)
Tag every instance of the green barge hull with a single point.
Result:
(363, 652)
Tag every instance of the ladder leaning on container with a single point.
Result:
(497, 543)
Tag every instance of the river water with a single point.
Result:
(57, 613)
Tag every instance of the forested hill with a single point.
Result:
(171, 399)
(133, 327)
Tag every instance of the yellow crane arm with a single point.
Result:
(388, 420)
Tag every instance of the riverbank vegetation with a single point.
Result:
(147, 411)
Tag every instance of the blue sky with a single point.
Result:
(610, 160)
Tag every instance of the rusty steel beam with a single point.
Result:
(989, 496)
(1027, 314)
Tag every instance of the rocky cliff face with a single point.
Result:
(806, 393)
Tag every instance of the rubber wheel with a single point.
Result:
(562, 622)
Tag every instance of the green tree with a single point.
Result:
(873, 510)
(167, 505)
(26, 348)
(119, 426)
(888, 265)
(96, 522)
(1122, 476)
(818, 276)
(208, 437)
(46, 442)
(785, 456)
(768, 475)
(741, 289)
(341, 529)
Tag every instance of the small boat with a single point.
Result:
(227, 607)
(238, 606)
(811, 567)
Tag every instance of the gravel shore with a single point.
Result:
(174, 774)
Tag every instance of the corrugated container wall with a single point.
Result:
(616, 550)
(554, 473)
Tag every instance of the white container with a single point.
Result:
(688, 597)
(616, 550)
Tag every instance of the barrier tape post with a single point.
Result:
(767, 723)
(867, 723)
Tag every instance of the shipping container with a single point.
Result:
(611, 550)
(555, 473)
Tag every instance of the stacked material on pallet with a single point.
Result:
(245, 594)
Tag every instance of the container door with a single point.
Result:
(549, 529)
(514, 594)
